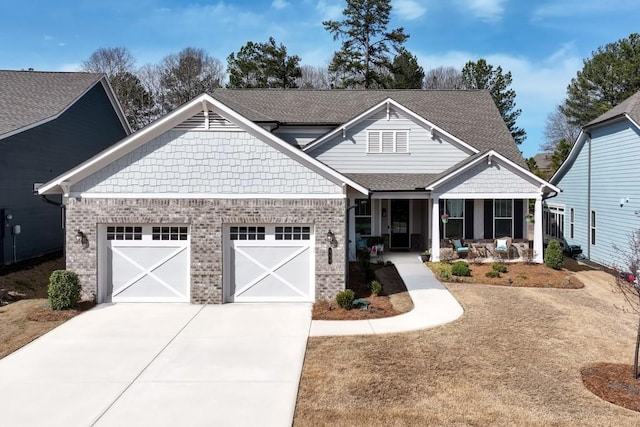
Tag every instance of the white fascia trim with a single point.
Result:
(109, 91)
(164, 124)
(582, 137)
(375, 108)
(632, 121)
(489, 195)
(492, 153)
(204, 196)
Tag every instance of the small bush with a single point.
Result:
(376, 288)
(499, 267)
(553, 257)
(460, 268)
(492, 274)
(444, 274)
(345, 299)
(64, 289)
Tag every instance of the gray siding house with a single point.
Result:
(599, 205)
(49, 122)
(263, 195)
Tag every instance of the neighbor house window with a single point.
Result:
(363, 217)
(503, 217)
(393, 141)
(454, 227)
(572, 219)
(554, 221)
(593, 227)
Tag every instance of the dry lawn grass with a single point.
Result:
(25, 320)
(514, 358)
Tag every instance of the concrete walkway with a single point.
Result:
(160, 365)
(433, 304)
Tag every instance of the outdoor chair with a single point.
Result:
(460, 247)
(503, 247)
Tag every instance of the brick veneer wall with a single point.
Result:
(206, 218)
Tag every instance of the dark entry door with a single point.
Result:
(399, 236)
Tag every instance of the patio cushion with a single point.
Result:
(501, 245)
(458, 244)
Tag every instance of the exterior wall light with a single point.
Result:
(82, 238)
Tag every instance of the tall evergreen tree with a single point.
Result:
(560, 154)
(405, 71)
(263, 65)
(480, 75)
(608, 78)
(363, 60)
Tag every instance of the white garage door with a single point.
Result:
(269, 263)
(147, 263)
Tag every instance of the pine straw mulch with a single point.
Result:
(613, 382)
(393, 300)
(517, 275)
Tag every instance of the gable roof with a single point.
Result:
(469, 115)
(393, 181)
(186, 111)
(31, 98)
(629, 107)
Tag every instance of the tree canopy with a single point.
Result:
(406, 73)
(263, 65)
(443, 78)
(187, 74)
(363, 60)
(481, 75)
(609, 77)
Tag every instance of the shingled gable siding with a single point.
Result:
(214, 162)
(206, 219)
(484, 178)
(426, 154)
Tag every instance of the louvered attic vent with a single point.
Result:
(199, 122)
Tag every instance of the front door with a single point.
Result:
(399, 236)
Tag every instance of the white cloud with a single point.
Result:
(408, 9)
(330, 10)
(574, 8)
(48, 37)
(279, 4)
(486, 10)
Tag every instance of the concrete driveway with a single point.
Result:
(161, 365)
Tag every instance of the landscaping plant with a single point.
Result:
(460, 268)
(553, 257)
(64, 289)
(499, 267)
(376, 288)
(345, 299)
(492, 274)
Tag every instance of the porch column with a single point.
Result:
(538, 243)
(435, 228)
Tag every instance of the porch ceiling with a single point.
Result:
(392, 181)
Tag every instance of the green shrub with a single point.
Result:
(64, 289)
(553, 257)
(345, 299)
(492, 273)
(444, 274)
(460, 268)
(376, 287)
(499, 267)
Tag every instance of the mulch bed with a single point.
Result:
(46, 314)
(381, 305)
(614, 383)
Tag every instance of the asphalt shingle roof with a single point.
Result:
(392, 181)
(28, 97)
(470, 115)
(630, 106)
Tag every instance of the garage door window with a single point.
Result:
(124, 233)
(293, 233)
(246, 233)
(169, 233)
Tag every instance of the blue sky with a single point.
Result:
(543, 43)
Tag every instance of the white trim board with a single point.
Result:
(204, 196)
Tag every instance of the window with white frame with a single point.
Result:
(572, 219)
(503, 217)
(454, 227)
(363, 217)
(383, 141)
(593, 227)
(554, 221)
